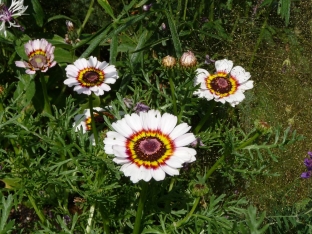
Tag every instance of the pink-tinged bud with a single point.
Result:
(188, 59)
(169, 61)
(70, 25)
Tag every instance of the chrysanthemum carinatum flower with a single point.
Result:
(40, 56)
(8, 15)
(149, 145)
(83, 121)
(90, 76)
(228, 84)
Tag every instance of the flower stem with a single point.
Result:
(47, 107)
(211, 170)
(86, 18)
(205, 117)
(186, 218)
(93, 127)
(174, 101)
(139, 213)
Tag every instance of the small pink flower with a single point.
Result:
(40, 56)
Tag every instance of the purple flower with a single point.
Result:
(308, 163)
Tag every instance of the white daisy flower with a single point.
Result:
(40, 56)
(8, 15)
(228, 84)
(90, 76)
(149, 145)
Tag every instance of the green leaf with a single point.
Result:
(174, 34)
(5, 212)
(59, 17)
(113, 49)
(39, 14)
(62, 56)
(107, 7)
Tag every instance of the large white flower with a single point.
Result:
(149, 145)
(40, 56)
(8, 15)
(228, 84)
(90, 76)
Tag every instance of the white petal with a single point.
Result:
(184, 153)
(179, 130)
(123, 128)
(134, 121)
(201, 75)
(185, 139)
(21, 64)
(71, 82)
(170, 170)
(93, 61)
(247, 85)
(110, 80)
(167, 123)
(158, 174)
(146, 174)
(130, 168)
(105, 87)
(240, 74)
(174, 162)
(120, 151)
(121, 160)
(224, 65)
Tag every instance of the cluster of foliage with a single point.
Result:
(56, 181)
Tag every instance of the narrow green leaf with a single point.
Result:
(107, 7)
(113, 49)
(62, 56)
(143, 38)
(59, 17)
(174, 34)
(39, 14)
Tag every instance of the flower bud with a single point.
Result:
(188, 59)
(199, 190)
(263, 127)
(163, 26)
(169, 61)
(70, 25)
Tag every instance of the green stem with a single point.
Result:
(86, 18)
(185, 8)
(139, 213)
(174, 101)
(211, 170)
(186, 218)
(105, 221)
(205, 118)
(38, 211)
(47, 107)
(93, 127)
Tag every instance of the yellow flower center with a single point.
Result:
(90, 77)
(149, 148)
(221, 85)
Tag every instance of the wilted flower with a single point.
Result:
(40, 56)
(308, 163)
(169, 61)
(208, 60)
(16, 9)
(141, 107)
(90, 76)
(83, 121)
(188, 59)
(228, 84)
(128, 102)
(197, 142)
(149, 145)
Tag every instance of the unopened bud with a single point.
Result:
(263, 127)
(188, 59)
(199, 190)
(169, 61)
(163, 26)
(70, 25)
